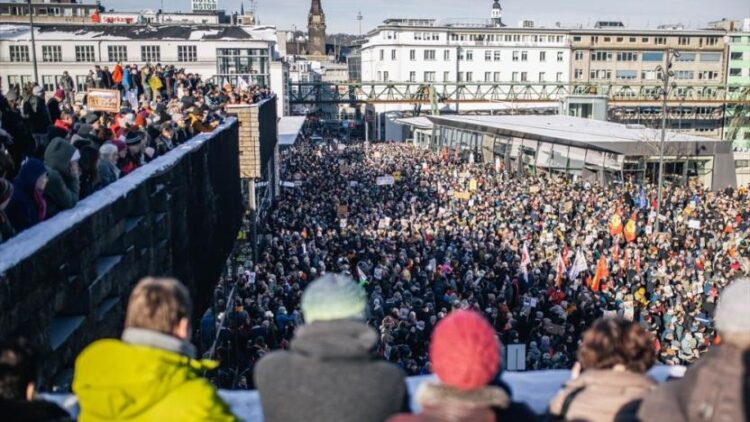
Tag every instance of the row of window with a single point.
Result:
(737, 55)
(606, 74)
(648, 56)
(468, 55)
(682, 40)
(115, 53)
(469, 77)
(508, 38)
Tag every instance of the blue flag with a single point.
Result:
(642, 203)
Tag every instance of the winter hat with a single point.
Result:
(733, 310)
(6, 190)
(333, 297)
(119, 144)
(91, 118)
(59, 94)
(464, 352)
(133, 138)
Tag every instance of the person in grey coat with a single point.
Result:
(717, 386)
(108, 171)
(329, 374)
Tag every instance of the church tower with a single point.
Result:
(316, 30)
(497, 14)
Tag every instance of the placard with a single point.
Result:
(385, 180)
(397, 176)
(694, 224)
(107, 100)
(516, 357)
(462, 195)
(342, 211)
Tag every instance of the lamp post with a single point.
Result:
(33, 43)
(664, 75)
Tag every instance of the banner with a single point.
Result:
(473, 185)
(385, 180)
(107, 100)
(462, 195)
(288, 184)
(204, 5)
(342, 211)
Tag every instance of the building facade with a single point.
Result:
(48, 11)
(738, 77)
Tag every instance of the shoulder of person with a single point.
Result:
(200, 400)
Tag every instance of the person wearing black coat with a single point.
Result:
(27, 206)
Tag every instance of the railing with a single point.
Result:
(65, 281)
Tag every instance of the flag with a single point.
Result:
(226, 85)
(637, 259)
(525, 261)
(565, 252)
(560, 269)
(642, 202)
(579, 265)
(602, 272)
(630, 229)
(242, 84)
(362, 277)
(615, 225)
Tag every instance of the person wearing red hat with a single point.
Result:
(465, 357)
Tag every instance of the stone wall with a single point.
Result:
(66, 281)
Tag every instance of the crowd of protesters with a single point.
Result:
(55, 151)
(540, 256)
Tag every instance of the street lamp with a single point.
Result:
(664, 75)
(33, 42)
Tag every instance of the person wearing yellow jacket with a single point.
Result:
(151, 374)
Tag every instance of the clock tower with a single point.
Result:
(316, 30)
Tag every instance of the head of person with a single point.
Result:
(108, 153)
(167, 131)
(617, 343)
(18, 367)
(334, 297)
(733, 314)
(32, 176)
(464, 351)
(134, 142)
(162, 305)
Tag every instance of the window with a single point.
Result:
(51, 53)
(382, 54)
(412, 55)
(488, 76)
(712, 40)
(626, 74)
(577, 74)
(644, 39)
(708, 75)
(577, 39)
(418, 36)
(429, 76)
(735, 71)
(412, 76)
(650, 75)
(627, 56)
(559, 77)
(152, 53)
(385, 76)
(686, 57)
(541, 76)
(524, 76)
(710, 57)
(620, 39)
(469, 55)
(684, 74)
(496, 76)
(488, 55)
(393, 54)
(601, 74)
(85, 53)
(117, 53)
(469, 76)
(380, 75)
(736, 56)
(735, 40)
(496, 55)
(429, 54)
(515, 56)
(650, 56)
(607, 39)
(19, 53)
(560, 56)
(601, 56)
(632, 39)
(660, 40)
(51, 82)
(578, 55)
(514, 76)
(446, 76)
(524, 56)
(187, 53)
(460, 76)
(683, 41)
(446, 55)
(542, 56)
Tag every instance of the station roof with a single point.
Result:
(289, 129)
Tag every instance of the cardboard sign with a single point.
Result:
(107, 100)
(473, 185)
(515, 357)
(385, 180)
(288, 184)
(397, 176)
(462, 195)
(694, 224)
(534, 189)
(342, 211)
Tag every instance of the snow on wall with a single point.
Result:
(535, 388)
(28, 241)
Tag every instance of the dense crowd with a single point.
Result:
(541, 257)
(55, 150)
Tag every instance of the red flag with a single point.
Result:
(602, 272)
(565, 256)
(637, 262)
(616, 252)
(630, 229)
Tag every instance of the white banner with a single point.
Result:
(385, 180)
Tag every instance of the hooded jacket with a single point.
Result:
(147, 377)
(329, 374)
(63, 187)
(27, 207)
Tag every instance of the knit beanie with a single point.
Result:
(733, 310)
(6, 190)
(333, 297)
(464, 352)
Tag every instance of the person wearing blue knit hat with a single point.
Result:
(330, 372)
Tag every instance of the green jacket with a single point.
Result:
(115, 380)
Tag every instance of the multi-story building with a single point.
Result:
(49, 11)
(425, 50)
(738, 79)
(220, 51)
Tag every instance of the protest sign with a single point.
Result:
(107, 100)
(385, 180)
(396, 176)
(342, 211)
(473, 185)
(694, 224)
(462, 195)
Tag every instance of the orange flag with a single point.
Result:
(602, 272)
(615, 225)
(630, 229)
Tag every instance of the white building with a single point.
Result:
(221, 51)
(154, 17)
(425, 50)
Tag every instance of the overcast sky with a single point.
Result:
(341, 14)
